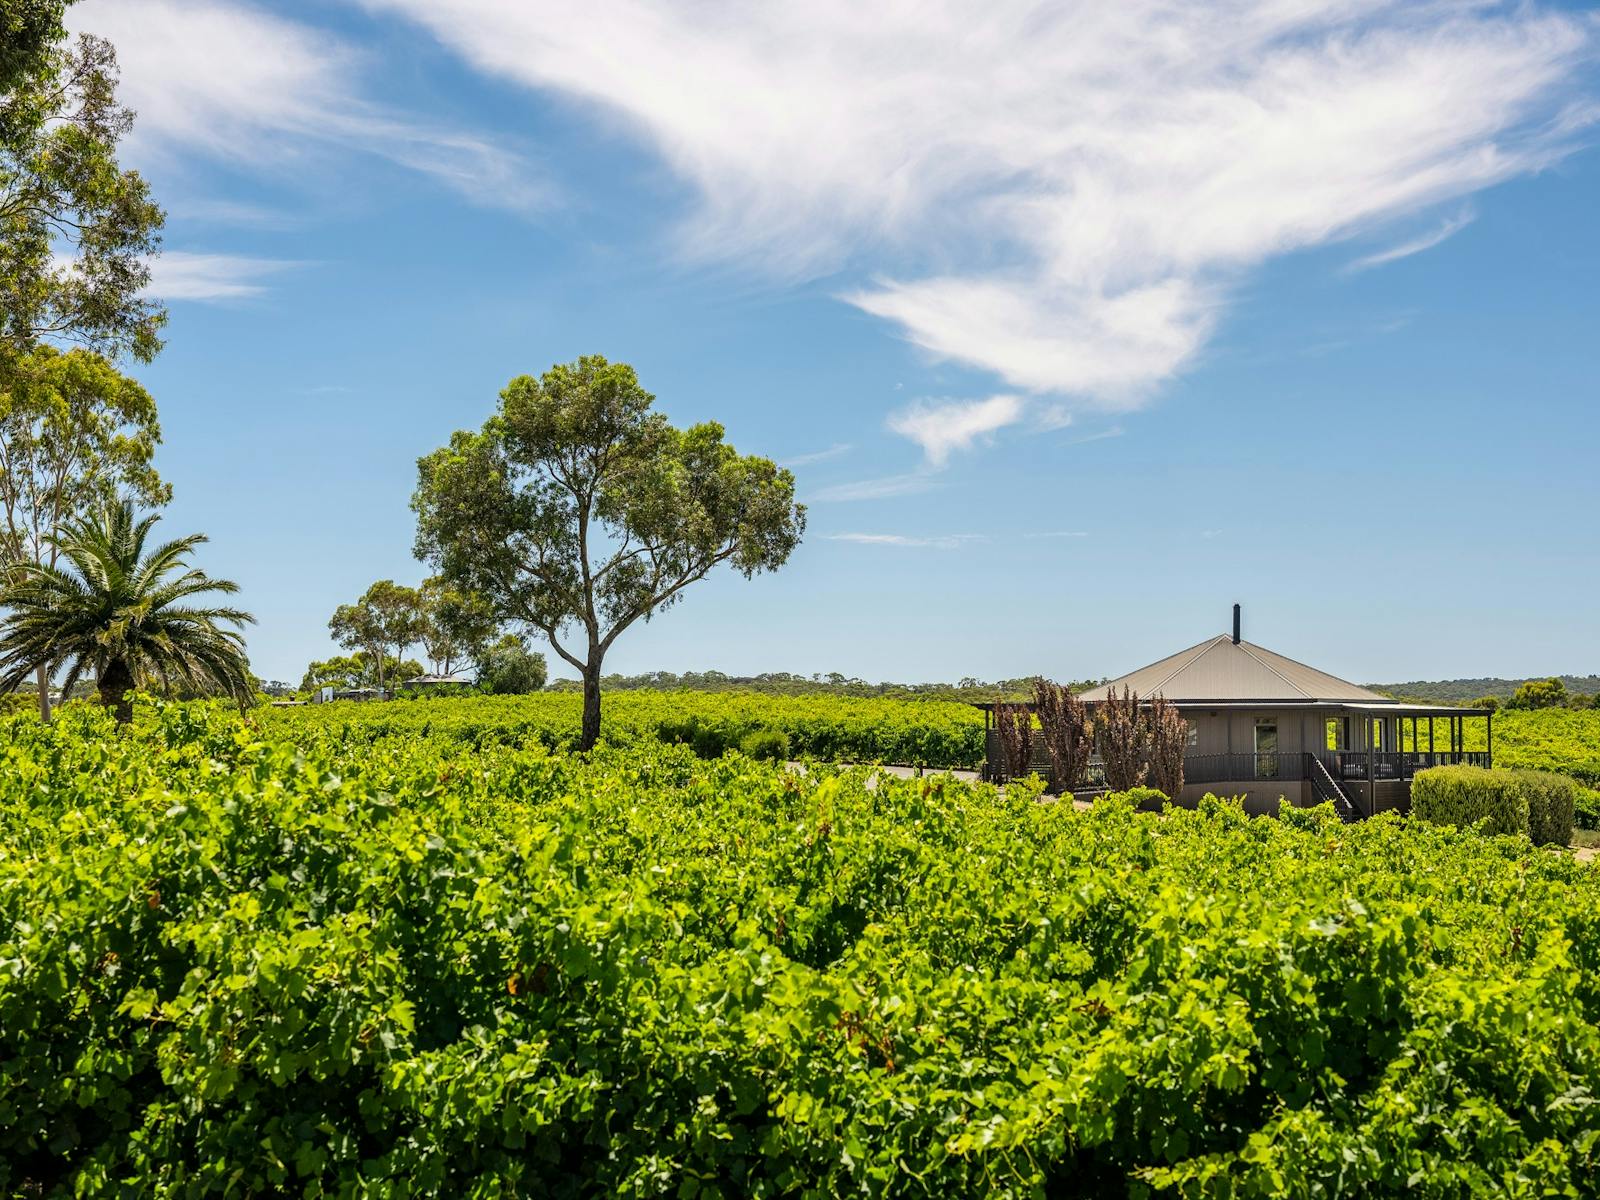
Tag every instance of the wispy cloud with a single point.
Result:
(1113, 432)
(1065, 195)
(941, 427)
(239, 85)
(942, 542)
(181, 275)
(1447, 228)
(816, 456)
(881, 488)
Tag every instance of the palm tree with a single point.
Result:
(110, 609)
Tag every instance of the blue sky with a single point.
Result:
(1077, 326)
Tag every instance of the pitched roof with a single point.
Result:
(1224, 670)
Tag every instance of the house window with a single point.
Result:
(1192, 738)
(1267, 749)
(1338, 734)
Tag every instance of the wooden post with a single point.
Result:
(1488, 733)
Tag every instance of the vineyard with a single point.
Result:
(304, 956)
(939, 733)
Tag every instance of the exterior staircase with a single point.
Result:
(1325, 789)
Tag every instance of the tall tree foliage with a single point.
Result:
(456, 626)
(386, 621)
(28, 29)
(124, 615)
(577, 511)
(76, 230)
(73, 433)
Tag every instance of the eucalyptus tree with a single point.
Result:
(388, 618)
(577, 511)
(74, 432)
(126, 615)
(76, 230)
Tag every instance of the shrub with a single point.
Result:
(1124, 735)
(1586, 808)
(1067, 733)
(1015, 725)
(1551, 803)
(768, 745)
(1464, 796)
(1148, 799)
(509, 668)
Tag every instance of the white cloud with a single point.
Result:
(1064, 193)
(1100, 436)
(179, 275)
(1447, 228)
(239, 85)
(816, 456)
(882, 488)
(942, 542)
(942, 427)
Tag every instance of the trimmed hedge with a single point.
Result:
(1535, 803)
(1552, 800)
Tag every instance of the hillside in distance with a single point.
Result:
(1464, 691)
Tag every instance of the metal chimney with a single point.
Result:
(1235, 624)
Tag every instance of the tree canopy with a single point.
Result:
(124, 614)
(76, 230)
(577, 510)
(388, 618)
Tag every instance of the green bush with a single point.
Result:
(1586, 808)
(1465, 796)
(1537, 803)
(1552, 800)
(1147, 798)
(768, 745)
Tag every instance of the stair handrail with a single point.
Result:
(1329, 783)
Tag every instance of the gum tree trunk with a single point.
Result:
(43, 676)
(591, 705)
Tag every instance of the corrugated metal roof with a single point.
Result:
(1220, 669)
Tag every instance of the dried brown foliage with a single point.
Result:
(1015, 725)
(1169, 738)
(1067, 732)
(1124, 740)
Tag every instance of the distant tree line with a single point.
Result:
(1539, 693)
(785, 683)
(1479, 691)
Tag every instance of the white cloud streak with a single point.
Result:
(941, 427)
(816, 456)
(882, 488)
(1063, 194)
(1447, 228)
(942, 542)
(234, 84)
(181, 275)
